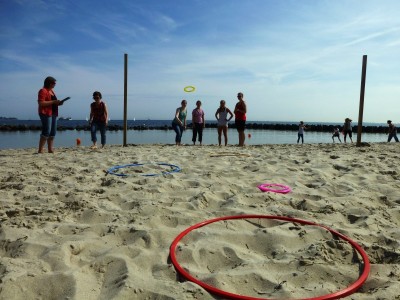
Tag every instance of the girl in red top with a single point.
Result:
(240, 118)
(98, 119)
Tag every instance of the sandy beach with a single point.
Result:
(69, 230)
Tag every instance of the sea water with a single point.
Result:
(67, 138)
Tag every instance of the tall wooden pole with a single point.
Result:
(362, 93)
(125, 98)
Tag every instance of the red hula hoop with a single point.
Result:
(265, 188)
(342, 293)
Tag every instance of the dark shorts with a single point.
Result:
(347, 132)
(240, 125)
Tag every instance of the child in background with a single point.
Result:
(392, 132)
(336, 133)
(300, 134)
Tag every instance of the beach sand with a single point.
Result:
(71, 231)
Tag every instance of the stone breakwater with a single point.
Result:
(255, 126)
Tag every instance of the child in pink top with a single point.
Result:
(198, 123)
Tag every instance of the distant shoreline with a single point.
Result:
(8, 118)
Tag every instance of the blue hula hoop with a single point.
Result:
(113, 170)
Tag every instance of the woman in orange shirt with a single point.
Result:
(48, 112)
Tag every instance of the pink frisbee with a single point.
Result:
(274, 188)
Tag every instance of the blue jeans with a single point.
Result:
(179, 131)
(300, 136)
(98, 126)
(393, 135)
(49, 126)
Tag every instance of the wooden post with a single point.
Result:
(125, 98)
(362, 93)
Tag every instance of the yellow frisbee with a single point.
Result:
(189, 89)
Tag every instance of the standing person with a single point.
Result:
(198, 122)
(300, 133)
(98, 119)
(179, 122)
(222, 117)
(392, 132)
(347, 129)
(240, 118)
(48, 112)
(336, 133)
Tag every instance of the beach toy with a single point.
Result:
(113, 170)
(282, 189)
(189, 89)
(227, 295)
(78, 142)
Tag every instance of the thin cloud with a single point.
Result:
(373, 36)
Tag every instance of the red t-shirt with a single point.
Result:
(240, 115)
(44, 95)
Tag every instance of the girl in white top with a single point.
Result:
(222, 117)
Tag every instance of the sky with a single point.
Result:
(293, 60)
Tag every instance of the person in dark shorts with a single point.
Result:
(198, 122)
(240, 118)
(347, 129)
